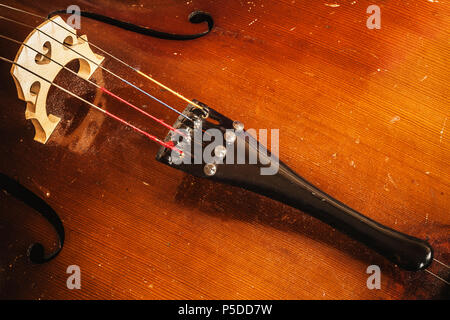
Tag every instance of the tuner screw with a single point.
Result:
(230, 137)
(220, 151)
(238, 126)
(210, 169)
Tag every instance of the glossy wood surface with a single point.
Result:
(363, 114)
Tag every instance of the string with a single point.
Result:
(98, 65)
(112, 56)
(103, 68)
(435, 275)
(97, 86)
(109, 93)
(148, 135)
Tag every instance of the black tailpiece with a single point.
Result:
(285, 185)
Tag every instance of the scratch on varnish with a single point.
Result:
(395, 119)
(442, 130)
(391, 180)
(44, 190)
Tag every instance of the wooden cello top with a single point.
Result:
(362, 113)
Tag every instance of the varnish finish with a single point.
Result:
(363, 114)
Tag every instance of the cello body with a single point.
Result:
(362, 113)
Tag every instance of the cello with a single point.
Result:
(311, 74)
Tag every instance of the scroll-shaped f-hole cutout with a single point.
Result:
(46, 56)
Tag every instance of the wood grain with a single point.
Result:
(363, 114)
